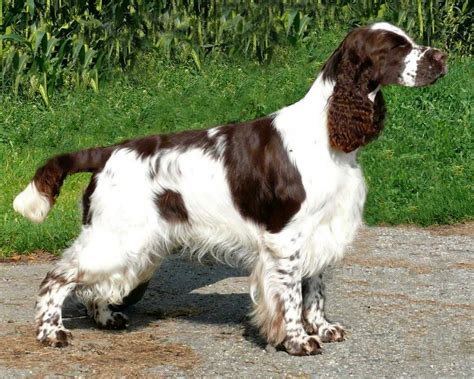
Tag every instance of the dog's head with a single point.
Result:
(368, 58)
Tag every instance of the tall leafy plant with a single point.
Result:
(47, 44)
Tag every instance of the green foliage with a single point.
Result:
(49, 44)
(422, 169)
(419, 171)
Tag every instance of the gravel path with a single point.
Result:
(404, 294)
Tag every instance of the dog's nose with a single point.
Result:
(440, 56)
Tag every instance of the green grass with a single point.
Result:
(419, 171)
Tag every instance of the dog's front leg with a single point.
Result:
(313, 311)
(277, 294)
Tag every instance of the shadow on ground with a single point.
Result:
(404, 295)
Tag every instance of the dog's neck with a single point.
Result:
(320, 91)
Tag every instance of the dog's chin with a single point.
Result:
(425, 82)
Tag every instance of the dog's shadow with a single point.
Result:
(182, 288)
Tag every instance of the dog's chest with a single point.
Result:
(330, 185)
(333, 181)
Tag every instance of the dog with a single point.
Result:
(281, 195)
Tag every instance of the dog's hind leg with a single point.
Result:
(109, 316)
(105, 316)
(54, 289)
(110, 293)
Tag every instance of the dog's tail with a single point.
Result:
(38, 197)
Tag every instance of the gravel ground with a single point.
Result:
(404, 294)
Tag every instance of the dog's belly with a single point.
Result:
(126, 207)
(126, 214)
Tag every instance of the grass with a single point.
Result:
(420, 171)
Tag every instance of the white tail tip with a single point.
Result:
(32, 204)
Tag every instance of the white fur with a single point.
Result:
(373, 94)
(391, 28)
(335, 190)
(32, 204)
(408, 75)
(127, 238)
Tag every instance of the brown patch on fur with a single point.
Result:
(310, 347)
(43, 289)
(52, 277)
(366, 59)
(431, 66)
(271, 325)
(49, 178)
(381, 52)
(55, 320)
(266, 187)
(353, 120)
(358, 67)
(276, 328)
(363, 61)
(171, 206)
(86, 201)
(148, 146)
(107, 356)
(334, 334)
(61, 339)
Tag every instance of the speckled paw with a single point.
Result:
(55, 338)
(305, 345)
(331, 333)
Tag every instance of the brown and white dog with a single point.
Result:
(281, 195)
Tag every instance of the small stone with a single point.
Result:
(270, 349)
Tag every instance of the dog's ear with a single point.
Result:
(353, 118)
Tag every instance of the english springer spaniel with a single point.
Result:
(281, 195)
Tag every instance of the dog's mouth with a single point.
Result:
(432, 67)
(429, 80)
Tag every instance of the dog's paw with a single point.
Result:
(303, 345)
(327, 332)
(106, 317)
(59, 337)
(331, 333)
(112, 320)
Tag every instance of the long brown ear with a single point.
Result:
(353, 119)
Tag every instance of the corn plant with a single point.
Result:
(49, 44)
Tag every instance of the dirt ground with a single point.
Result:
(404, 294)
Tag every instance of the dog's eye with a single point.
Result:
(400, 46)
